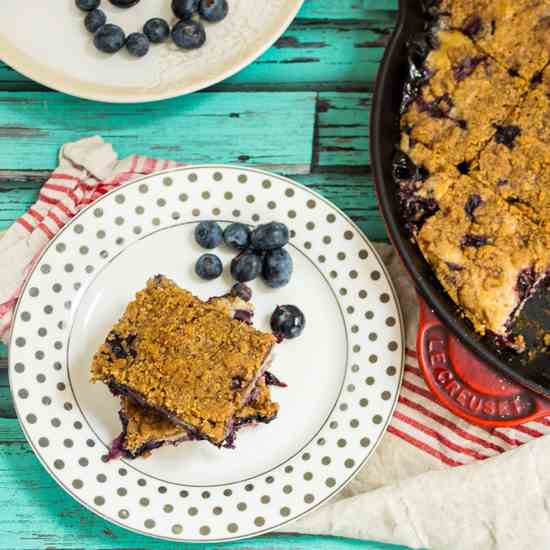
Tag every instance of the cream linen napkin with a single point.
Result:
(434, 482)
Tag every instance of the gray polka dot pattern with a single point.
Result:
(53, 417)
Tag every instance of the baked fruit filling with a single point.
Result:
(144, 430)
(186, 359)
(473, 166)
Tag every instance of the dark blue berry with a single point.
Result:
(243, 315)
(288, 321)
(237, 235)
(137, 44)
(156, 30)
(185, 9)
(472, 26)
(526, 281)
(242, 291)
(269, 236)
(189, 35)
(87, 5)
(209, 267)
(272, 380)
(246, 267)
(124, 3)
(94, 20)
(506, 135)
(473, 202)
(213, 10)
(467, 67)
(109, 38)
(454, 266)
(474, 240)
(277, 268)
(208, 234)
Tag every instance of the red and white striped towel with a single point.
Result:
(87, 169)
(423, 437)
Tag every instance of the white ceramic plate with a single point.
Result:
(343, 373)
(47, 41)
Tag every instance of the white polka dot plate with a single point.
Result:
(343, 373)
(74, 66)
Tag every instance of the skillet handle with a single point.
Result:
(465, 385)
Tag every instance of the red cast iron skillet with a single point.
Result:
(468, 373)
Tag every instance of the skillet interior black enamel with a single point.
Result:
(533, 373)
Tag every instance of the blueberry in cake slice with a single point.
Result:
(144, 430)
(488, 257)
(462, 95)
(516, 162)
(184, 358)
(514, 32)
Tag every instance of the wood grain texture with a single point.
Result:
(234, 128)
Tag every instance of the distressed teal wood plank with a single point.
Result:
(37, 513)
(312, 53)
(252, 128)
(339, 54)
(343, 129)
(17, 192)
(6, 402)
(345, 9)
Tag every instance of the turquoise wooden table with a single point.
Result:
(301, 110)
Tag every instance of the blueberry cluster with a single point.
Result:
(188, 33)
(261, 252)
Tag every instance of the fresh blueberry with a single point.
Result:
(237, 235)
(156, 30)
(277, 268)
(87, 5)
(246, 267)
(213, 10)
(288, 321)
(185, 9)
(94, 20)
(109, 38)
(137, 44)
(124, 3)
(189, 35)
(209, 267)
(208, 234)
(242, 291)
(269, 236)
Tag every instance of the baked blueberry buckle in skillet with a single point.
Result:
(473, 166)
(187, 360)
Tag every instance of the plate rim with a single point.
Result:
(316, 505)
(23, 63)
